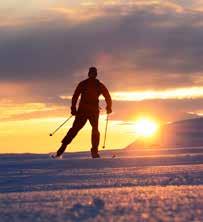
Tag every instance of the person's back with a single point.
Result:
(88, 109)
(90, 90)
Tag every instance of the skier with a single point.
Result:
(89, 91)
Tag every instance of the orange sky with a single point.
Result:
(148, 53)
(33, 136)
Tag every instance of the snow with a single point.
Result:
(135, 186)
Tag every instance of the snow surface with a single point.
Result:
(158, 185)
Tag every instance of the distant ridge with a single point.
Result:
(198, 121)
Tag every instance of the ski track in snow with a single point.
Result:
(131, 187)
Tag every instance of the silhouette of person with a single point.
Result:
(89, 91)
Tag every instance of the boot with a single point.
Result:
(94, 153)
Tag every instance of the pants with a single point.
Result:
(80, 120)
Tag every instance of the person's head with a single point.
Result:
(92, 72)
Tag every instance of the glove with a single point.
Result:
(108, 110)
(73, 111)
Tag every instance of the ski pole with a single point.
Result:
(107, 120)
(51, 134)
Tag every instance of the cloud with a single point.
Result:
(10, 111)
(162, 110)
(136, 45)
(142, 41)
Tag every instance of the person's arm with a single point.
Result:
(107, 97)
(75, 99)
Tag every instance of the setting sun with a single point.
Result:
(145, 127)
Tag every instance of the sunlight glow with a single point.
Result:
(145, 127)
(176, 93)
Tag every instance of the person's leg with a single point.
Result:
(78, 123)
(94, 119)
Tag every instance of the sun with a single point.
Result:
(146, 127)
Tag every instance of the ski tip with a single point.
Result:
(52, 155)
